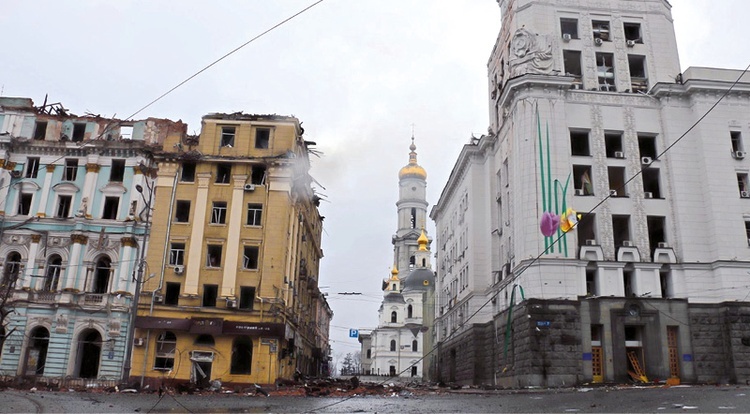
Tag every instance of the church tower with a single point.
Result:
(412, 211)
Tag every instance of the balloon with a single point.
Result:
(549, 223)
(568, 220)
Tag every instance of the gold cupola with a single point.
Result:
(422, 241)
(412, 170)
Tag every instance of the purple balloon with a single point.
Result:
(549, 223)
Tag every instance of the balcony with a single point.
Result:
(44, 297)
(94, 299)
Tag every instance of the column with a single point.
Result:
(46, 190)
(74, 269)
(89, 185)
(193, 268)
(31, 262)
(138, 179)
(125, 269)
(4, 188)
(231, 262)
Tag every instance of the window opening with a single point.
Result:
(40, 130)
(394, 317)
(582, 180)
(638, 78)
(110, 208)
(71, 170)
(621, 230)
(258, 176)
(219, 212)
(182, 211)
(591, 287)
(656, 231)
(600, 29)
(242, 356)
(627, 280)
(572, 64)
(101, 276)
(118, 171)
(587, 230)
(52, 273)
(227, 136)
(12, 267)
(262, 137)
(172, 296)
(569, 27)
(613, 145)
(247, 297)
(254, 214)
(176, 254)
(633, 32)
(210, 293)
(736, 137)
(617, 181)
(166, 345)
(665, 280)
(79, 129)
(126, 132)
(24, 204)
(63, 206)
(250, 260)
(32, 167)
(414, 346)
(742, 183)
(579, 143)
(213, 256)
(605, 71)
(223, 173)
(647, 146)
(651, 185)
(409, 311)
(413, 218)
(187, 172)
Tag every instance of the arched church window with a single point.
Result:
(394, 317)
(414, 345)
(409, 311)
(393, 344)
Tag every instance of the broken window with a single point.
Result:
(262, 137)
(188, 172)
(617, 181)
(40, 130)
(665, 280)
(210, 292)
(600, 29)
(736, 137)
(393, 348)
(572, 64)
(213, 255)
(586, 229)
(656, 231)
(742, 183)
(613, 144)
(126, 132)
(117, 173)
(242, 356)
(71, 170)
(569, 28)
(579, 143)
(12, 267)
(32, 167)
(219, 212)
(223, 173)
(227, 136)
(651, 186)
(79, 129)
(621, 230)
(63, 206)
(627, 281)
(647, 147)
(172, 296)
(632, 32)
(592, 289)
(52, 273)
(582, 180)
(638, 78)
(24, 204)
(176, 254)
(605, 72)
(102, 274)
(250, 257)
(394, 317)
(166, 345)
(182, 211)
(254, 214)
(110, 208)
(258, 176)
(247, 297)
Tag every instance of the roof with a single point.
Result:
(422, 279)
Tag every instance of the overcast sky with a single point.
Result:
(360, 74)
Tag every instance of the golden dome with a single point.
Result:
(422, 240)
(412, 170)
(394, 273)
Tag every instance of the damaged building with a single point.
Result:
(72, 225)
(234, 256)
(590, 111)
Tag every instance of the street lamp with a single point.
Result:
(139, 274)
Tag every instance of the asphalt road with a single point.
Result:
(681, 399)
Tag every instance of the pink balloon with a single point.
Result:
(549, 223)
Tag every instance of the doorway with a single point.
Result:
(89, 353)
(200, 374)
(634, 351)
(36, 353)
(597, 354)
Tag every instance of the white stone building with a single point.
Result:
(590, 110)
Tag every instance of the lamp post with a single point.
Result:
(139, 274)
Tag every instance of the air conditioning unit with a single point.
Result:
(158, 298)
(745, 194)
(662, 245)
(619, 154)
(648, 194)
(15, 174)
(646, 160)
(579, 191)
(738, 155)
(630, 43)
(590, 242)
(178, 270)
(627, 243)
(249, 187)
(138, 341)
(566, 37)
(598, 41)
(613, 193)
(231, 303)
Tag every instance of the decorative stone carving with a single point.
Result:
(531, 53)
(79, 238)
(62, 323)
(94, 168)
(35, 238)
(84, 206)
(15, 240)
(58, 241)
(51, 168)
(129, 241)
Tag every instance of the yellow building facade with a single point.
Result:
(229, 288)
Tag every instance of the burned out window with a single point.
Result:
(102, 273)
(227, 136)
(744, 185)
(71, 170)
(600, 29)
(586, 229)
(665, 280)
(262, 138)
(166, 345)
(176, 254)
(111, 204)
(40, 130)
(617, 181)
(172, 296)
(579, 143)
(242, 356)
(213, 255)
(223, 173)
(219, 212)
(24, 204)
(638, 78)
(647, 147)
(32, 167)
(258, 176)
(210, 293)
(627, 282)
(651, 183)
(605, 72)
(572, 63)
(613, 145)
(63, 206)
(632, 32)
(52, 273)
(621, 230)
(182, 211)
(250, 257)
(247, 297)
(187, 174)
(117, 172)
(12, 267)
(736, 140)
(582, 180)
(79, 130)
(568, 28)
(254, 214)
(657, 235)
(126, 132)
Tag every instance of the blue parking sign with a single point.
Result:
(353, 333)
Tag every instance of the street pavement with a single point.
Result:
(679, 399)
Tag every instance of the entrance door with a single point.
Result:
(597, 354)
(635, 355)
(36, 352)
(89, 353)
(200, 374)
(674, 358)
